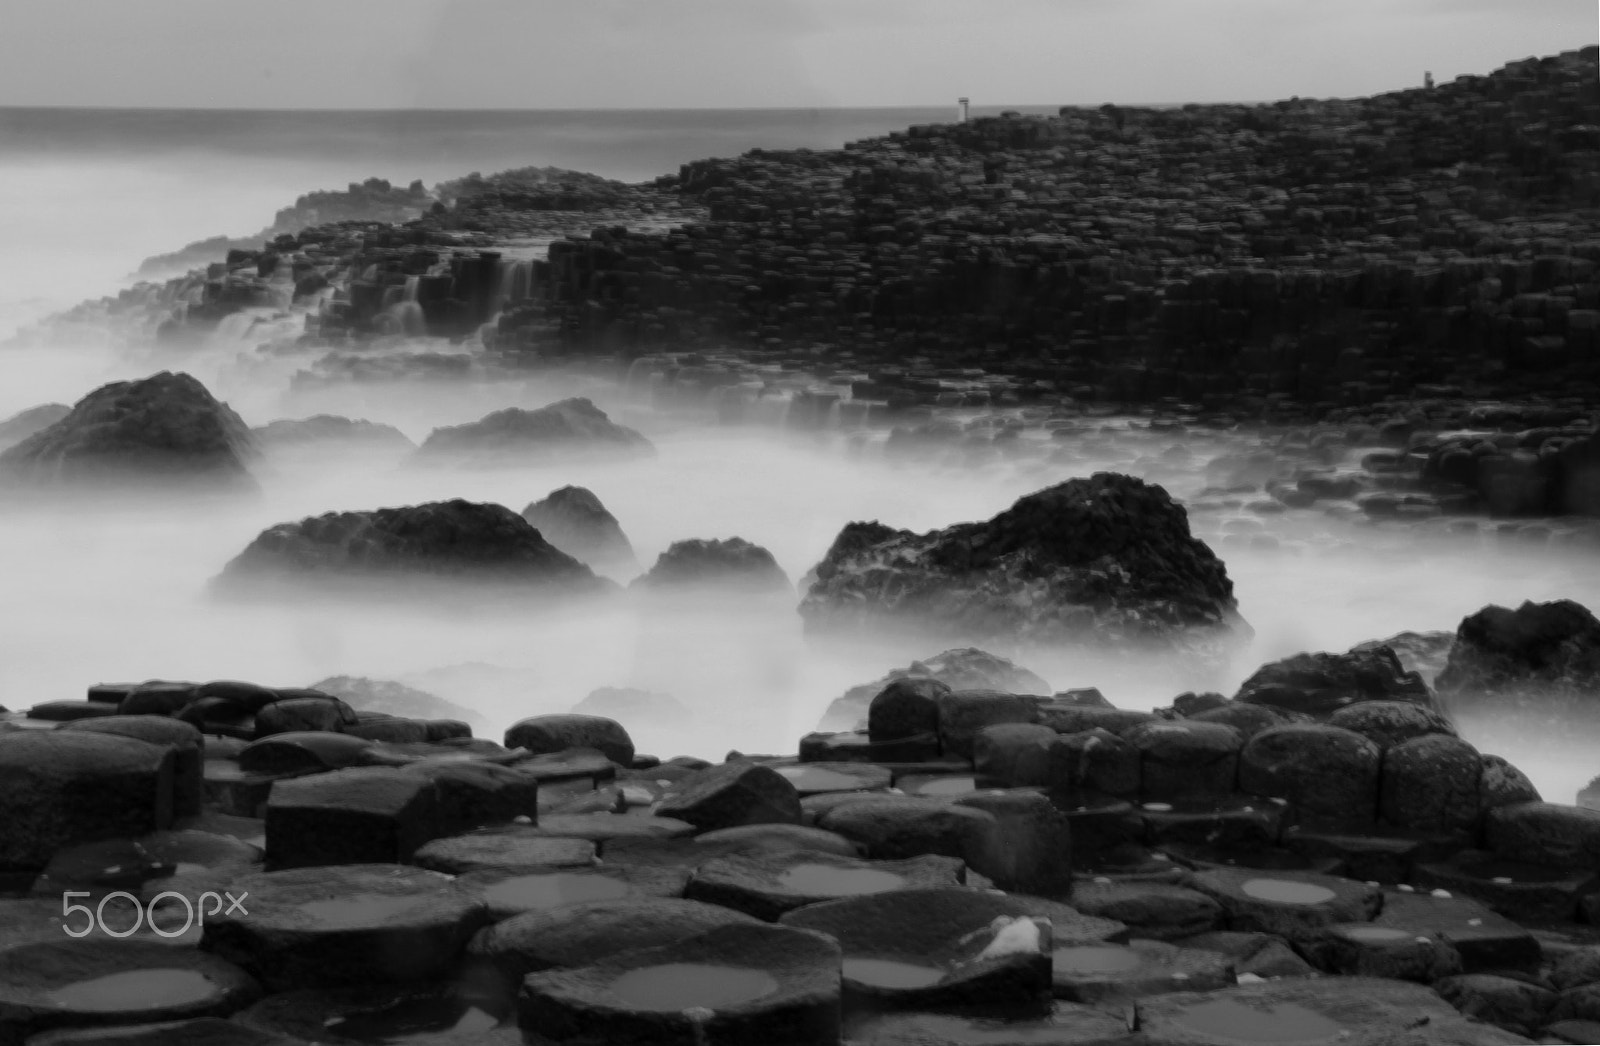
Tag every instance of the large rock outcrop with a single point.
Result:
(1108, 559)
(1541, 657)
(571, 428)
(462, 541)
(573, 520)
(165, 429)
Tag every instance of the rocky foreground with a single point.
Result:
(1319, 858)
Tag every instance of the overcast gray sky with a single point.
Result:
(752, 53)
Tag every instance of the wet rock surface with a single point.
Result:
(420, 888)
(570, 428)
(573, 520)
(1107, 560)
(486, 546)
(165, 429)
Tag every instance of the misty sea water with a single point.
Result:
(86, 195)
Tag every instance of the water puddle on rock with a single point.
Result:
(821, 880)
(956, 784)
(680, 986)
(555, 889)
(1376, 933)
(1281, 1024)
(420, 1018)
(812, 779)
(1285, 891)
(135, 990)
(371, 909)
(890, 973)
(1093, 959)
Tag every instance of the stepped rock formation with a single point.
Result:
(481, 544)
(165, 429)
(573, 520)
(1107, 560)
(570, 429)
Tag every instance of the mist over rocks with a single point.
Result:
(965, 668)
(731, 564)
(166, 430)
(488, 547)
(330, 429)
(23, 424)
(571, 429)
(1320, 684)
(1541, 659)
(573, 520)
(384, 695)
(1107, 560)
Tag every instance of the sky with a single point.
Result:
(600, 54)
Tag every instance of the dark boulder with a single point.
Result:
(572, 428)
(700, 563)
(461, 541)
(1320, 684)
(573, 520)
(1540, 656)
(167, 428)
(1108, 560)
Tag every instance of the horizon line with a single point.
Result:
(643, 109)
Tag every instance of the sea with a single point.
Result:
(95, 593)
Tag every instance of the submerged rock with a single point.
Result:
(1108, 560)
(166, 428)
(565, 430)
(462, 541)
(700, 563)
(573, 520)
(25, 423)
(965, 668)
(331, 428)
(382, 695)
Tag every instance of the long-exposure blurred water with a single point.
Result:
(94, 593)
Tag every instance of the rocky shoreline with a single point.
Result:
(1319, 851)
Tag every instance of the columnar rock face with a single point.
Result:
(1542, 658)
(1010, 865)
(449, 540)
(573, 520)
(1330, 251)
(167, 428)
(567, 430)
(1108, 560)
